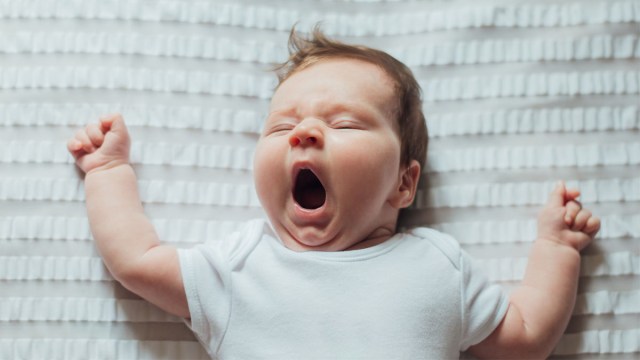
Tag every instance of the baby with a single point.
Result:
(329, 276)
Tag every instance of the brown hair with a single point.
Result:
(410, 119)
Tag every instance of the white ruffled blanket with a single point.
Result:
(517, 95)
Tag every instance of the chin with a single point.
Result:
(309, 240)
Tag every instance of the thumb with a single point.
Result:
(558, 195)
(114, 123)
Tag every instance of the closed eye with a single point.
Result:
(347, 125)
(280, 129)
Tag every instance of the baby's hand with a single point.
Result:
(563, 220)
(101, 145)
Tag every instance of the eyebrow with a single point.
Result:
(358, 110)
(287, 111)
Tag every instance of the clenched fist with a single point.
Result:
(101, 145)
(564, 221)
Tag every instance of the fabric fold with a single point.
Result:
(140, 115)
(137, 79)
(81, 309)
(57, 268)
(32, 151)
(528, 157)
(151, 191)
(594, 47)
(534, 120)
(195, 231)
(515, 231)
(188, 192)
(599, 341)
(518, 50)
(160, 45)
(77, 229)
(525, 193)
(531, 85)
(44, 228)
(345, 23)
(608, 302)
(197, 155)
(610, 264)
(35, 348)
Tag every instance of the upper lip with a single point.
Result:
(304, 165)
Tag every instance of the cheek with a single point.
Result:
(267, 171)
(372, 166)
(259, 161)
(374, 152)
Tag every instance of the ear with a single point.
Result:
(407, 186)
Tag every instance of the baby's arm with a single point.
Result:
(541, 307)
(124, 236)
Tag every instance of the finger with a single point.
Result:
(573, 207)
(83, 138)
(107, 121)
(583, 240)
(581, 219)
(95, 134)
(592, 226)
(557, 196)
(75, 148)
(572, 194)
(74, 145)
(118, 125)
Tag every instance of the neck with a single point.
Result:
(377, 237)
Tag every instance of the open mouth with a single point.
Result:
(308, 191)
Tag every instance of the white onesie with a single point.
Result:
(415, 296)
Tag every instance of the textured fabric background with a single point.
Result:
(518, 94)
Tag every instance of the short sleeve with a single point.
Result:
(205, 278)
(206, 274)
(484, 304)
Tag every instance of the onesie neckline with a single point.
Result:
(340, 256)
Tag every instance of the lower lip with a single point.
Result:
(310, 215)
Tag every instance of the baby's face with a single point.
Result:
(327, 166)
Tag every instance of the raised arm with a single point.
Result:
(124, 235)
(541, 307)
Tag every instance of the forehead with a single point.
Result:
(342, 80)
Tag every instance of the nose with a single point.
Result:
(306, 134)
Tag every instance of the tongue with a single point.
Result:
(309, 192)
